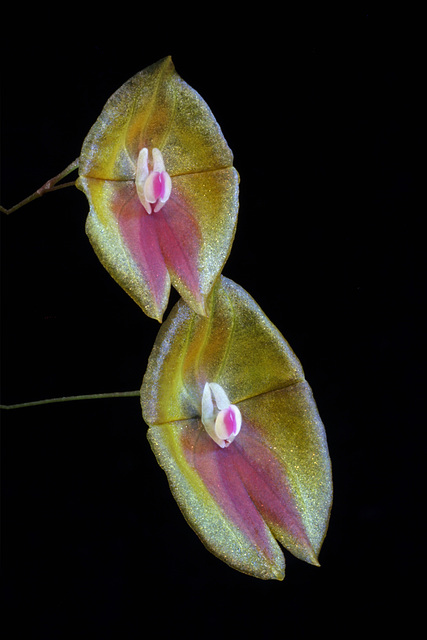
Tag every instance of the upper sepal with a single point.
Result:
(146, 237)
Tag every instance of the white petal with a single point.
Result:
(149, 189)
(207, 404)
(158, 164)
(220, 397)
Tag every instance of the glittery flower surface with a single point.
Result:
(162, 190)
(272, 483)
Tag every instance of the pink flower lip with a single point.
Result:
(230, 421)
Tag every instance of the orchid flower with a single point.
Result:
(234, 425)
(232, 420)
(162, 190)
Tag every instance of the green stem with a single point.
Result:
(93, 396)
(48, 186)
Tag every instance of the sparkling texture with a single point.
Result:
(186, 242)
(273, 483)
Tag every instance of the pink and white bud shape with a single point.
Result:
(153, 185)
(221, 419)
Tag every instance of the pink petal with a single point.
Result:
(248, 483)
(139, 234)
(180, 241)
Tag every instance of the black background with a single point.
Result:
(322, 113)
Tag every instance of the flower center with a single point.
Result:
(221, 419)
(153, 183)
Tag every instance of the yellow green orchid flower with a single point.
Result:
(162, 190)
(234, 425)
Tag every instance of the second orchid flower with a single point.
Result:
(233, 423)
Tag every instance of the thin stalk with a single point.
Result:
(50, 185)
(92, 396)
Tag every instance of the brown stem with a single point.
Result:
(48, 186)
(92, 396)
